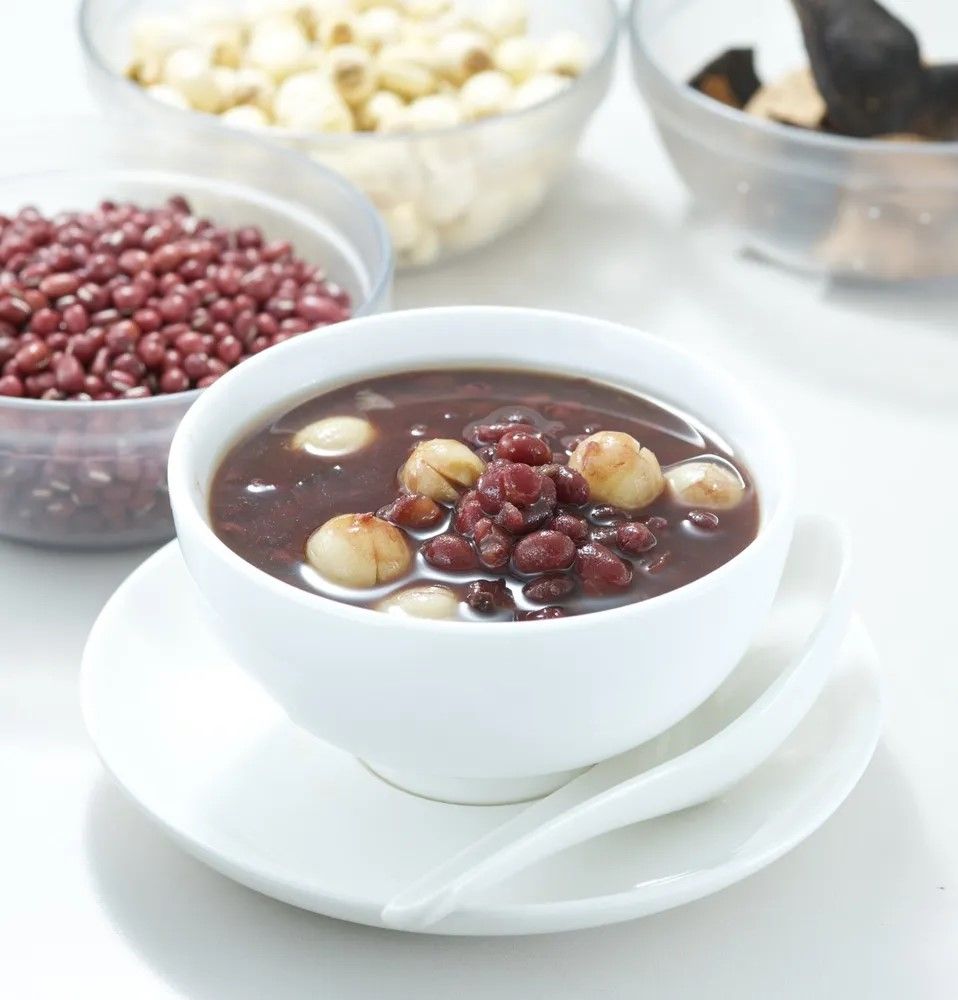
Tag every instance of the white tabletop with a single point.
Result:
(95, 902)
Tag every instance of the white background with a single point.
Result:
(94, 902)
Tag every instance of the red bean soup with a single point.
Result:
(484, 495)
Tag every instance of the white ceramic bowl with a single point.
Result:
(482, 712)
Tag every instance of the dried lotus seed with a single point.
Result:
(351, 70)
(486, 94)
(245, 116)
(539, 88)
(565, 54)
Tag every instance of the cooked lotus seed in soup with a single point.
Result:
(485, 496)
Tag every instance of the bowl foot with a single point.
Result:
(473, 791)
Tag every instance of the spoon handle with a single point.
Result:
(587, 807)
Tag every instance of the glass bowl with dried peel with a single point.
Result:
(776, 172)
(453, 116)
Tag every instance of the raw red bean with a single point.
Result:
(44, 321)
(10, 385)
(521, 446)
(56, 285)
(704, 519)
(319, 309)
(14, 310)
(544, 552)
(489, 596)
(413, 511)
(126, 272)
(75, 318)
(174, 380)
(33, 357)
(196, 365)
(69, 374)
(451, 553)
(601, 569)
(549, 589)
(634, 538)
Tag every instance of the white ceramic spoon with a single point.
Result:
(611, 795)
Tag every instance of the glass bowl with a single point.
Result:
(441, 192)
(93, 474)
(878, 209)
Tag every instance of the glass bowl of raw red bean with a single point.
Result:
(132, 280)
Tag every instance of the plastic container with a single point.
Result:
(860, 207)
(441, 192)
(93, 474)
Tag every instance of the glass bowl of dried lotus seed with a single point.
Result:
(454, 116)
(794, 162)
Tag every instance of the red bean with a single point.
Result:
(80, 293)
(544, 552)
(495, 546)
(469, 513)
(634, 538)
(549, 589)
(319, 309)
(451, 553)
(33, 358)
(413, 511)
(575, 527)
(571, 486)
(45, 321)
(57, 285)
(14, 310)
(489, 596)
(196, 365)
(10, 385)
(521, 484)
(69, 374)
(704, 519)
(521, 446)
(601, 569)
(174, 380)
(129, 298)
(541, 614)
(511, 519)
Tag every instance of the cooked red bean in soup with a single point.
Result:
(484, 495)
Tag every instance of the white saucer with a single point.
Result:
(218, 765)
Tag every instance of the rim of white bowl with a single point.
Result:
(596, 67)
(379, 281)
(180, 474)
(803, 137)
